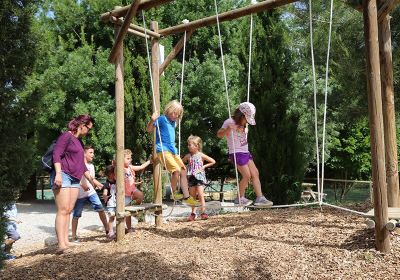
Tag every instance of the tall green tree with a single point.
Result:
(278, 144)
(17, 56)
(346, 96)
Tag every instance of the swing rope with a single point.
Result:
(227, 99)
(250, 49)
(250, 52)
(155, 108)
(315, 99)
(181, 91)
(326, 101)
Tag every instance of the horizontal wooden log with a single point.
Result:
(237, 13)
(140, 30)
(144, 5)
(122, 31)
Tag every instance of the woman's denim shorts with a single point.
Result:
(67, 180)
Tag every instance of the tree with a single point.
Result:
(347, 98)
(278, 143)
(17, 56)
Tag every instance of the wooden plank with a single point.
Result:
(145, 207)
(177, 48)
(133, 27)
(237, 13)
(393, 213)
(122, 31)
(386, 8)
(382, 237)
(119, 137)
(121, 11)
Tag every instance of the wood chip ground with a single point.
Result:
(268, 244)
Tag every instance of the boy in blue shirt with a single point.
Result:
(166, 150)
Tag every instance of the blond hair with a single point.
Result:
(127, 152)
(196, 140)
(174, 106)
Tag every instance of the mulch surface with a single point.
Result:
(300, 243)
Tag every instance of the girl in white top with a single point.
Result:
(196, 174)
(235, 129)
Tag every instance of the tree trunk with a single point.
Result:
(30, 192)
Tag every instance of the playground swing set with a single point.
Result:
(381, 112)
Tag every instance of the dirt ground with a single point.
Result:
(300, 243)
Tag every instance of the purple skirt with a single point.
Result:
(241, 158)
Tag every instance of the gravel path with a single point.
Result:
(38, 224)
(37, 227)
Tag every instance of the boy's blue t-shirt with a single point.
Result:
(167, 131)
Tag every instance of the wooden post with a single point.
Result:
(155, 61)
(389, 121)
(119, 137)
(382, 238)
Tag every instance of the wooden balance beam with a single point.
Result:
(393, 214)
(146, 207)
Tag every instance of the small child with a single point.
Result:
(131, 190)
(110, 198)
(166, 149)
(196, 174)
(88, 196)
(11, 229)
(235, 130)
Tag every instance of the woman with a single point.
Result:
(69, 167)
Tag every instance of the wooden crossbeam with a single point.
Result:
(386, 8)
(135, 29)
(144, 5)
(237, 13)
(122, 31)
(177, 48)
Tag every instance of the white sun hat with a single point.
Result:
(249, 112)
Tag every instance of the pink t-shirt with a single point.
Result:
(130, 183)
(239, 137)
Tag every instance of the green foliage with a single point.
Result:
(350, 156)
(73, 78)
(62, 71)
(346, 97)
(279, 145)
(17, 55)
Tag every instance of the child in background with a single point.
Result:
(11, 229)
(110, 199)
(131, 190)
(196, 173)
(166, 149)
(88, 196)
(235, 130)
